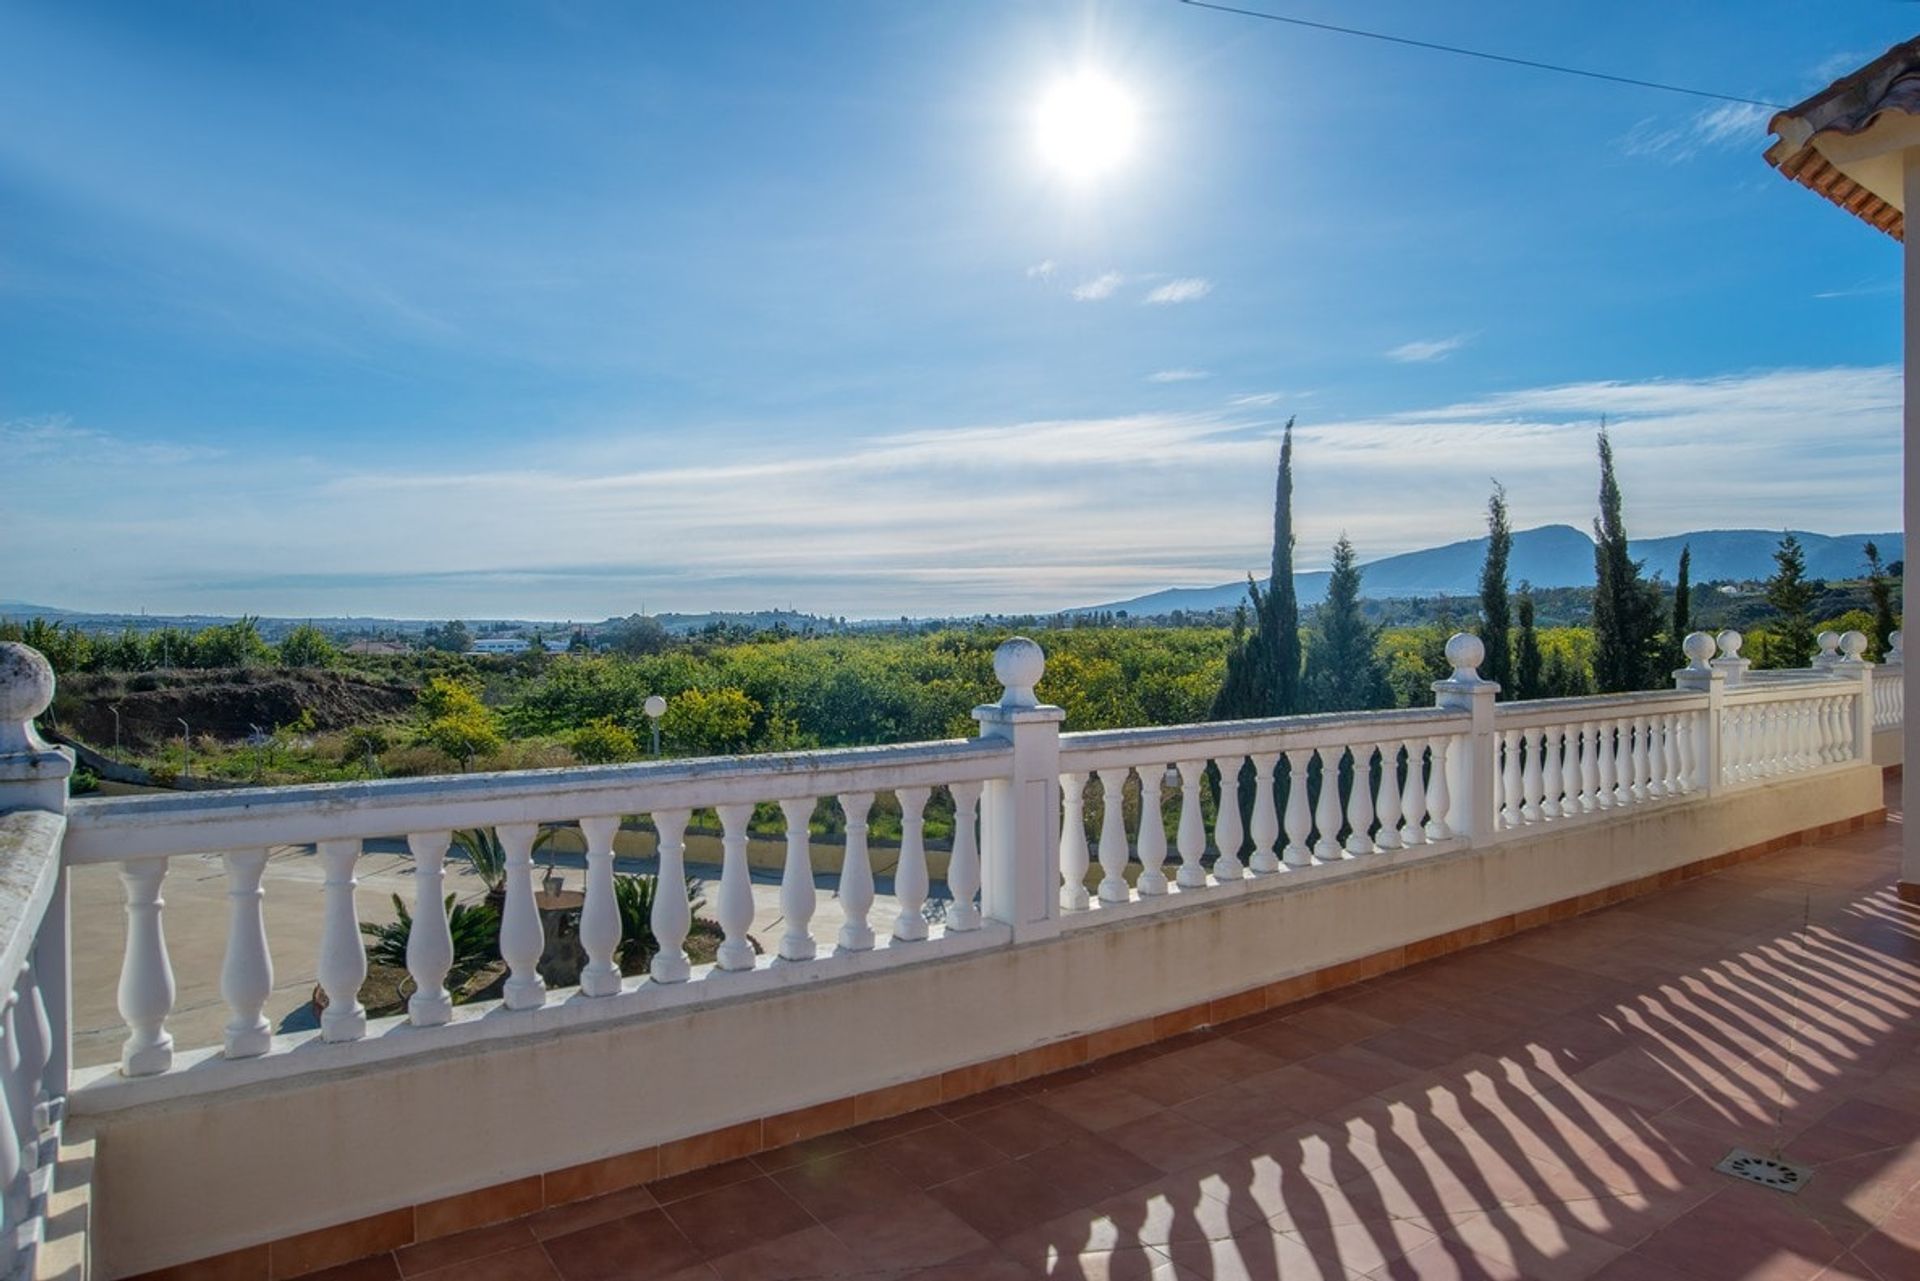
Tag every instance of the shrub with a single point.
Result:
(602, 741)
(633, 894)
(476, 938)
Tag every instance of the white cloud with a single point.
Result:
(1042, 270)
(999, 516)
(1257, 400)
(1730, 124)
(1425, 350)
(1185, 289)
(1100, 287)
(1177, 375)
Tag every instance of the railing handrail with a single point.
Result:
(1788, 691)
(119, 828)
(1268, 733)
(30, 844)
(1552, 711)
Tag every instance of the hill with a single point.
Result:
(1549, 556)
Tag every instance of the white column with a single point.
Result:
(1550, 774)
(1360, 802)
(1020, 812)
(1150, 842)
(672, 916)
(797, 894)
(1387, 798)
(910, 877)
(1228, 833)
(856, 874)
(343, 958)
(1475, 796)
(1192, 833)
(1113, 835)
(735, 907)
(1073, 842)
(1439, 791)
(963, 867)
(1326, 807)
(146, 973)
(600, 915)
(521, 938)
(1910, 522)
(1299, 818)
(1413, 801)
(246, 976)
(1266, 822)
(430, 942)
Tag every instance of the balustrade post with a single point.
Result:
(1191, 836)
(1473, 797)
(521, 938)
(430, 941)
(963, 865)
(735, 908)
(1703, 674)
(910, 877)
(672, 915)
(797, 897)
(600, 915)
(1020, 811)
(246, 976)
(34, 776)
(1730, 662)
(343, 958)
(1073, 842)
(1113, 835)
(146, 974)
(1228, 833)
(1854, 664)
(856, 874)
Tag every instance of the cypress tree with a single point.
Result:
(1792, 596)
(1683, 597)
(1343, 671)
(1263, 673)
(1882, 593)
(1496, 620)
(1529, 669)
(1625, 656)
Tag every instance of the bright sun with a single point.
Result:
(1085, 125)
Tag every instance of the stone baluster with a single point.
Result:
(1266, 821)
(1326, 806)
(1681, 741)
(1532, 779)
(430, 941)
(1074, 859)
(1299, 818)
(856, 874)
(672, 914)
(1192, 833)
(246, 974)
(910, 877)
(735, 906)
(1439, 797)
(1550, 779)
(797, 893)
(1228, 835)
(1113, 835)
(1623, 761)
(522, 940)
(1151, 842)
(1656, 735)
(600, 914)
(1386, 803)
(1605, 759)
(146, 973)
(1642, 758)
(1512, 800)
(1585, 773)
(963, 866)
(343, 960)
(1413, 800)
(1360, 803)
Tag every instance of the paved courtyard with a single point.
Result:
(1547, 1107)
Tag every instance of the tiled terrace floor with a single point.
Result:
(1550, 1106)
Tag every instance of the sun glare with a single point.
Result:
(1085, 125)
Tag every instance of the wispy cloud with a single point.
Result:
(1177, 375)
(1185, 289)
(1730, 124)
(998, 516)
(1043, 270)
(57, 436)
(1425, 350)
(1257, 400)
(1098, 288)
(1865, 289)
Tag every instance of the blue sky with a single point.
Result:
(565, 310)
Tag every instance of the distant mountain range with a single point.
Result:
(1550, 556)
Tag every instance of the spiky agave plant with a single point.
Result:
(633, 894)
(475, 928)
(482, 849)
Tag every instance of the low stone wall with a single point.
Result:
(419, 1147)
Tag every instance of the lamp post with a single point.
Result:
(115, 709)
(186, 745)
(655, 707)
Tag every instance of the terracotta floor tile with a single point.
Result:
(641, 1247)
(462, 1246)
(378, 1267)
(1741, 1231)
(1169, 1140)
(694, 1182)
(916, 1232)
(982, 1265)
(1021, 1127)
(1098, 1103)
(843, 1184)
(528, 1263)
(937, 1154)
(1000, 1201)
(563, 1219)
(1086, 1170)
(812, 1252)
(737, 1216)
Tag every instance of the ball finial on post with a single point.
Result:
(1893, 654)
(1019, 664)
(1699, 649)
(1829, 654)
(1466, 652)
(1729, 643)
(26, 690)
(1853, 644)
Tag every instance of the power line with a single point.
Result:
(1483, 55)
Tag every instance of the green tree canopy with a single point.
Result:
(1343, 671)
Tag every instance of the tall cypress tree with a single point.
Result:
(1529, 668)
(1343, 672)
(1625, 657)
(1263, 674)
(1496, 619)
(1683, 598)
(1882, 593)
(1792, 596)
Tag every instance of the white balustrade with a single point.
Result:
(1299, 818)
(430, 941)
(798, 896)
(1191, 835)
(963, 866)
(1228, 835)
(1266, 822)
(246, 975)
(600, 915)
(146, 974)
(672, 915)
(1113, 835)
(735, 906)
(1439, 791)
(1360, 803)
(1326, 806)
(856, 874)
(1073, 842)
(1413, 798)
(1512, 798)
(521, 938)
(1150, 845)
(910, 882)
(1387, 803)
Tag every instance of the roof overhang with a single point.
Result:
(1846, 142)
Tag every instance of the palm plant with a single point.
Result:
(633, 894)
(488, 858)
(475, 928)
